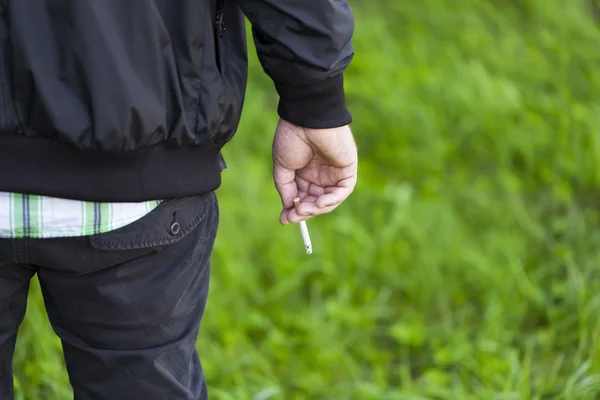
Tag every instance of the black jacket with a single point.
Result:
(129, 100)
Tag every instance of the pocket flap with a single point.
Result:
(168, 223)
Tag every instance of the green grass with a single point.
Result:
(466, 263)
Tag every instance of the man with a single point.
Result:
(112, 117)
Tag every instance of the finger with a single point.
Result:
(336, 197)
(283, 218)
(303, 184)
(293, 216)
(309, 187)
(307, 206)
(305, 210)
(315, 190)
(285, 183)
(307, 202)
(289, 216)
(311, 210)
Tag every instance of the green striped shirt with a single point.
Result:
(40, 217)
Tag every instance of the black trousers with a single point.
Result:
(126, 304)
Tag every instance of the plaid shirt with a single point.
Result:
(37, 217)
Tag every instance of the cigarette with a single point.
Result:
(304, 230)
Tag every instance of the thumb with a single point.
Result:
(285, 183)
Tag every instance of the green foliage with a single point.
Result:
(465, 265)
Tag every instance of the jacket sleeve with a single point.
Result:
(304, 46)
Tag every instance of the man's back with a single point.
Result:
(118, 76)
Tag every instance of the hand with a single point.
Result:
(317, 165)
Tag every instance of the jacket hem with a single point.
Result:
(43, 167)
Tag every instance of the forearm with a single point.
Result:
(304, 46)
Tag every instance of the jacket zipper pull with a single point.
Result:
(221, 28)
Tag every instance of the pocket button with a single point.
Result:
(175, 228)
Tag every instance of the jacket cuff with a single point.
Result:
(318, 106)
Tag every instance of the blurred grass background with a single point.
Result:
(464, 266)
